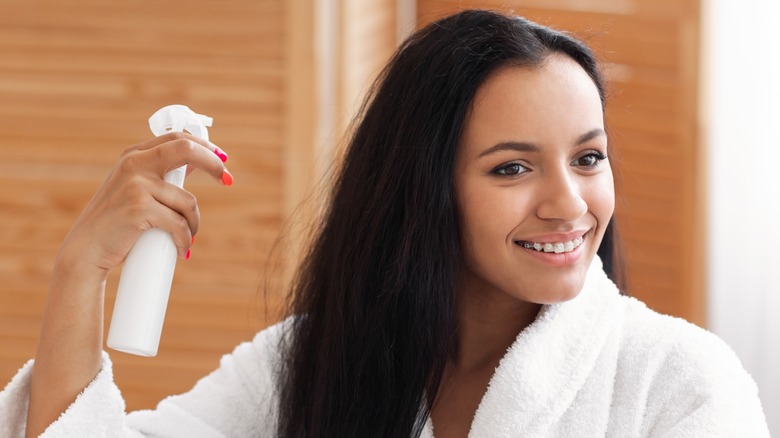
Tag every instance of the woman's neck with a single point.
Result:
(489, 322)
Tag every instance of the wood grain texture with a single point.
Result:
(77, 83)
(650, 54)
(367, 40)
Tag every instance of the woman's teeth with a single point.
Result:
(557, 247)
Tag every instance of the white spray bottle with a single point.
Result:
(145, 283)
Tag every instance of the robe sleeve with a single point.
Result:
(703, 390)
(98, 409)
(237, 399)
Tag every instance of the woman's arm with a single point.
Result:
(133, 199)
(70, 343)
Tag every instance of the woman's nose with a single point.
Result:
(561, 198)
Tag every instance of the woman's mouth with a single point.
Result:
(556, 247)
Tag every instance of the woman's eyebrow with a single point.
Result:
(520, 146)
(510, 146)
(590, 135)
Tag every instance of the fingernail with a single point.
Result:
(227, 178)
(193, 241)
(187, 256)
(220, 153)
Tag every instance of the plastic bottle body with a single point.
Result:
(142, 296)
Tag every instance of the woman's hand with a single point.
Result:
(135, 198)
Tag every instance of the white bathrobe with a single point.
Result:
(599, 365)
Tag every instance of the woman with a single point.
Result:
(453, 287)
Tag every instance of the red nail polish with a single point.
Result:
(227, 178)
(187, 256)
(193, 241)
(220, 153)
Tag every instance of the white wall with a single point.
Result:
(741, 103)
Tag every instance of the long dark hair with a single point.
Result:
(374, 297)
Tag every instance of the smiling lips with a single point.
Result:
(556, 247)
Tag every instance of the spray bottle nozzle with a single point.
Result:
(178, 118)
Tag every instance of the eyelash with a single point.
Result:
(502, 169)
(598, 156)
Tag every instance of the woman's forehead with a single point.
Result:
(534, 104)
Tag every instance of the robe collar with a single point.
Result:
(548, 363)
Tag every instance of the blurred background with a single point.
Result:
(692, 112)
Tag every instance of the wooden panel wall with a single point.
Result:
(78, 81)
(367, 39)
(650, 50)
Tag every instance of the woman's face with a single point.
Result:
(533, 184)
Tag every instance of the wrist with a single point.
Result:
(72, 263)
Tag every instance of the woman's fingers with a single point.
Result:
(179, 226)
(177, 150)
(156, 141)
(177, 136)
(183, 204)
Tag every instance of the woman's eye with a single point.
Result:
(511, 169)
(590, 160)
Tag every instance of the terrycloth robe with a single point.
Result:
(598, 365)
